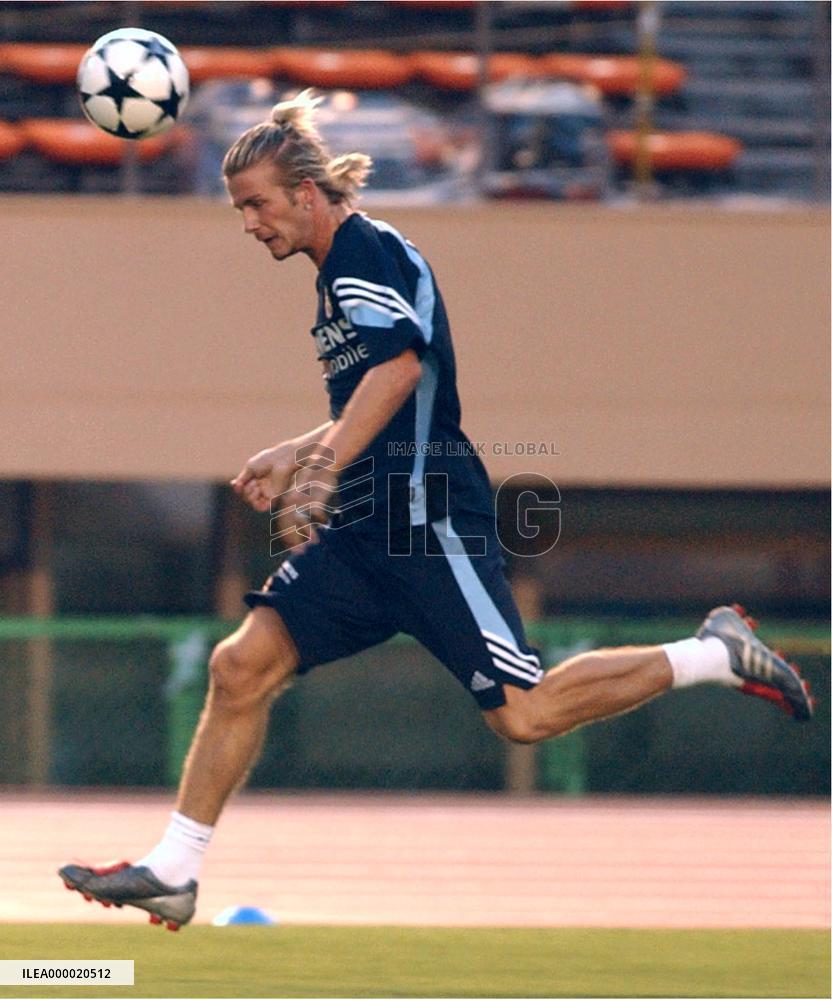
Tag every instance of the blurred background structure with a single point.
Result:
(734, 95)
(626, 205)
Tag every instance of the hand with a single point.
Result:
(309, 499)
(302, 508)
(266, 475)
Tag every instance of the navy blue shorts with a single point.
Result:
(347, 592)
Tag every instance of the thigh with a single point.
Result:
(461, 608)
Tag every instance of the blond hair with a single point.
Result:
(291, 141)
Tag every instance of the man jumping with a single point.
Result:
(381, 551)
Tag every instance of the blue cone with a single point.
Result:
(242, 915)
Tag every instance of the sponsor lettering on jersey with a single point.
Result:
(330, 336)
(335, 350)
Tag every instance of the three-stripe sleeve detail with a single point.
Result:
(509, 658)
(382, 298)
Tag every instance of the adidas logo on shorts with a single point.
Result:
(481, 683)
(287, 572)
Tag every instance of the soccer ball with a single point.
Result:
(132, 83)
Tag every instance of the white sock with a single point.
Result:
(177, 858)
(700, 661)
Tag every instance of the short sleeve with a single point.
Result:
(368, 282)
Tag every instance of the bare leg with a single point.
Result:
(248, 670)
(582, 689)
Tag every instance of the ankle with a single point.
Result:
(177, 858)
(700, 661)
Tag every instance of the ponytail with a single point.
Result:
(348, 173)
(291, 141)
(298, 114)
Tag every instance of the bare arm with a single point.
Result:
(379, 396)
(269, 473)
(377, 399)
(310, 437)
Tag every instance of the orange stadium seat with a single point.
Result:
(43, 63)
(612, 74)
(460, 70)
(358, 68)
(79, 143)
(207, 62)
(677, 151)
(12, 140)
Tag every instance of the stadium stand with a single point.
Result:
(367, 69)
(679, 150)
(11, 141)
(78, 143)
(750, 79)
(218, 62)
(759, 72)
(612, 75)
(460, 70)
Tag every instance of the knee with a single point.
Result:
(239, 681)
(517, 725)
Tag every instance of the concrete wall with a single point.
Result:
(149, 338)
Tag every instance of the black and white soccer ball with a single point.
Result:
(133, 83)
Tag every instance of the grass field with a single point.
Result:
(295, 961)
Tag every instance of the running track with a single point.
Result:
(447, 860)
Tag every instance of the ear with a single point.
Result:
(306, 193)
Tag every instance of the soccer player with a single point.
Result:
(395, 523)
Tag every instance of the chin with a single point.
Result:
(283, 254)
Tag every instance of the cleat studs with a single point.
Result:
(117, 905)
(172, 926)
(68, 886)
(739, 609)
(105, 904)
(752, 623)
(155, 919)
(768, 694)
(87, 896)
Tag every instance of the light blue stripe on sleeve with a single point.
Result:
(426, 390)
(425, 294)
(425, 396)
(368, 314)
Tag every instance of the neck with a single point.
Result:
(327, 219)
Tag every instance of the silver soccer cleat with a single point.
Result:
(123, 884)
(764, 672)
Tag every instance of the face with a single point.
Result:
(275, 217)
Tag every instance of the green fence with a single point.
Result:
(106, 701)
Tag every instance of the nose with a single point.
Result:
(249, 219)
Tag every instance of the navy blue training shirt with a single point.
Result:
(377, 297)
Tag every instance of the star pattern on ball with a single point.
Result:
(119, 90)
(156, 48)
(170, 105)
(127, 109)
